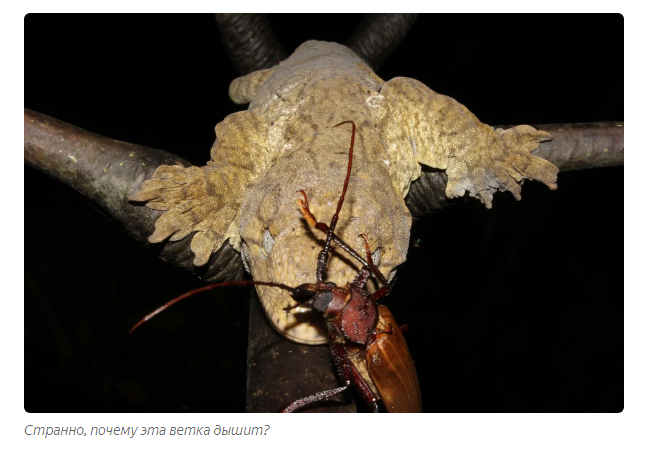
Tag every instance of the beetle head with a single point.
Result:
(314, 296)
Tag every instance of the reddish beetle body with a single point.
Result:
(368, 347)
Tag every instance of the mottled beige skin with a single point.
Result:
(248, 192)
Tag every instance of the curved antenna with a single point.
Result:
(205, 289)
(335, 218)
(324, 254)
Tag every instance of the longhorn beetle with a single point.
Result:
(367, 346)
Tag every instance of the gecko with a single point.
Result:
(284, 143)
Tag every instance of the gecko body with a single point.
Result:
(248, 192)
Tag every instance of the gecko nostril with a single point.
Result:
(267, 241)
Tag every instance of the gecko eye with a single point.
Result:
(267, 241)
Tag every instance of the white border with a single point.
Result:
(545, 433)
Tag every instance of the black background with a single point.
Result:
(519, 308)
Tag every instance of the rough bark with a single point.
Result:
(378, 35)
(250, 41)
(577, 146)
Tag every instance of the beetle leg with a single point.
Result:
(295, 405)
(385, 290)
(350, 374)
(311, 219)
(308, 215)
(362, 278)
(366, 246)
(379, 294)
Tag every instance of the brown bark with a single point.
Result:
(249, 41)
(107, 171)
(577, 146)
(378, 35)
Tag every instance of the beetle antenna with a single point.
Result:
(205, 289)
(335, 218)
(311, 219)
(322, 257)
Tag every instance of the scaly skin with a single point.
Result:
(248, 193)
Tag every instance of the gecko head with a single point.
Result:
(279, 245)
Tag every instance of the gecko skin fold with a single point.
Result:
(247, 193)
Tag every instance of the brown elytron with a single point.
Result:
(391, 367)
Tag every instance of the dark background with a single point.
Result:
(519, 308)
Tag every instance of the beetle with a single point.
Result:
(366, 343)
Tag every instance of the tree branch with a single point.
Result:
(378, 35)
(107, 171)
(250, 41)
(577, 146)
